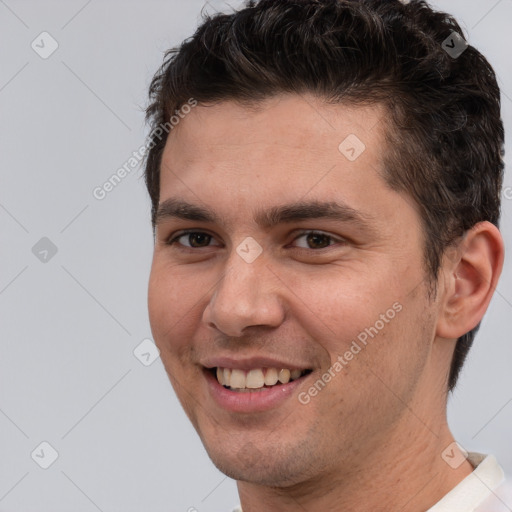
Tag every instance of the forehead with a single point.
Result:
(232, 158)
(303, 122)
(287, 136)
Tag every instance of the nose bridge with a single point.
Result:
(246, 295)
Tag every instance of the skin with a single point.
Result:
(380, 424)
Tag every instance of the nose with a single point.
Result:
(247, 295)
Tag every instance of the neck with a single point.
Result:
(402, 470)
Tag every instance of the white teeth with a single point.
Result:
(271, 377)
(256, 378)
(237, 379)
(295, 374)
(220, 376)
(284, 376)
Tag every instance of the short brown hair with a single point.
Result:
(445, 136)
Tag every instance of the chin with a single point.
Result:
(249, 464)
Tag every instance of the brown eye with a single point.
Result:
(316, 240)
(192, 239)
(199, 239)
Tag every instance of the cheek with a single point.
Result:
(161, 304)
(172, 326)
(170, 307)
(393, 356)
(371, 322)
(336, 308)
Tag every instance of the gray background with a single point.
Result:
(69, 326)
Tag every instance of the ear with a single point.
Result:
(470, 280)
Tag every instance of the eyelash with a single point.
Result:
(174, 240)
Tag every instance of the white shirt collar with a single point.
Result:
(475, 488)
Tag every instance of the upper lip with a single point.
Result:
(250, 363)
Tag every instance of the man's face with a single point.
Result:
(300, 304)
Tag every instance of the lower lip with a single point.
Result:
(250, 401)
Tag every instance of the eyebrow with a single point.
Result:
(287, 213)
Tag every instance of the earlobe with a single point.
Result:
(470, 280)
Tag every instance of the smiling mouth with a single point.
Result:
(256, 379)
